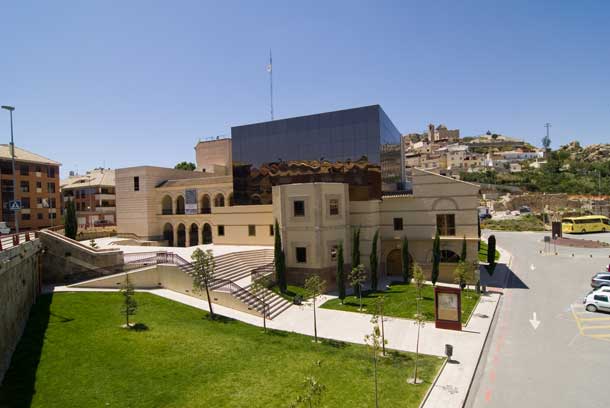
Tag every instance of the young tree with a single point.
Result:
(374, 261)
(436, 257)
(461, 274)
(279, 259)
(406, 265)
(259, 288)
(379, 306)
(420, 318)
(491, 254)
(93, 244)
(184, 165)
(340, 273)
(71, 223)
(312, 394)
(314, 287)
(464, 253)
(130, 306)
(203, 273)
(356, 254)
(356, 278)
(374, 341)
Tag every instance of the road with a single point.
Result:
(562, 363)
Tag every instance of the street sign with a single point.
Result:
(14, 205)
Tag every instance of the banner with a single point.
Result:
(190, 201)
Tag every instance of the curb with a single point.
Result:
(423, 401)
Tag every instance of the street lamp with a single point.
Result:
(11, 109)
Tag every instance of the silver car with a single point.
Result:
(600, 279)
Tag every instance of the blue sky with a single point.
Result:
(124, 83)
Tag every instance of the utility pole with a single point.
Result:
(270, 70)
(16, 213)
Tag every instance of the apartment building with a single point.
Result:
(93, 194)
(37, 189)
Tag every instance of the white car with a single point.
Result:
(4, 229)
(598, 300)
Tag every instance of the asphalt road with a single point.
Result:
(565, 362)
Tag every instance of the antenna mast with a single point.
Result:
(270, 70)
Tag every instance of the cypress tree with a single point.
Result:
(374, 261)
(491, 254)
(71, 223)
(406, 265)
(479, 230)
(340, 273)
(279, 259)
(356, 256)
(464, 254)
(436, 257)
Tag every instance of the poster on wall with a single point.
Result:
(190, 201)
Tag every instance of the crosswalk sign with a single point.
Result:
(14, 205)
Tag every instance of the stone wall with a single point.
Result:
(19, 286)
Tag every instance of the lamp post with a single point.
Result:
(11, 109)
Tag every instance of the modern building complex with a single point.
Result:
(94, 196)
(318, 202)
(37, 188)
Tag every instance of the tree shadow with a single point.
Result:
(139, 327)
(334, 343)
(502, 277)
(218, 318)
(18, 387)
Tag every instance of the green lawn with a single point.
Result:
(526, 222)
(401, 302)
(291, 292)
(483, 253)
(75, 354)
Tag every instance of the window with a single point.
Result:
(333, 252)
(25, 187)
(221, 230)
(39, 216)
(25, 217)
(299, 208)
(601, 298)
(52, 203)
(606, 221)
(136, 183)
(445, 223)
(51, 187)
(397, 224)
(52, 216)
(252, 230)
(39, 185)
(449, 256)
(51, 172)
(333, 206)
(301, 253)
(25, 202)
(38, 169)
(25, 170)
(271, 232)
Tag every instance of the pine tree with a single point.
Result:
(340, 273)
(436, 257)
(374, 261)
(406, 264)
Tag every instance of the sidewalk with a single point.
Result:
(454, 381)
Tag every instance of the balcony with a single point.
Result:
(105, 196)
(105, 209)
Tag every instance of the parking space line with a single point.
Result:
(596, 327)
(592, 319)
(577, 320)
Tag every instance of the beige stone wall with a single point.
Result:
(19, 268)
(213, 152)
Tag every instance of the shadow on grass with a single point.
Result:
(139, 327)
(334, 343)
(218, 318)
(19, 383)
(276, 333)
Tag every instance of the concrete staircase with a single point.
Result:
(275, 303)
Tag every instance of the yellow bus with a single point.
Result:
(588, 223)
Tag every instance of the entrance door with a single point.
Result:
(394, 263)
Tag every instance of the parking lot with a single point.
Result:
(545, 348)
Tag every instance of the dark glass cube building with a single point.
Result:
(268, 153)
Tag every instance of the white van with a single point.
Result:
(597, 300)
(4, 229)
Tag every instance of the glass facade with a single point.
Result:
(347, 136)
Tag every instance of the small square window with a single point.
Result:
(333, 253)
(397, 224)
(252, 230)
(271, 231)
(221, 230)
(301, 254)
(333, 206)
(39, 216)
(299, 208)
(25, 217)
(136, 183)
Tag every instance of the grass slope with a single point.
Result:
(524, 223)
(401, 302)
(74, 354)
(483, 253)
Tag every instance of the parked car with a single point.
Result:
(600, 279)
(485, 216)
(597, 301)
(525, 210)
(4, 229)
(601, 289)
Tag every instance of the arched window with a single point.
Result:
(181, 235)
(168, 234)
(231, 202)
(166, 205)
(180, 205)
(448, 255)
(193, 235)
(219, 200)
(207, 234)
(205, 204)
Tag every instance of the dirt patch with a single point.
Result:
(581, 243)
